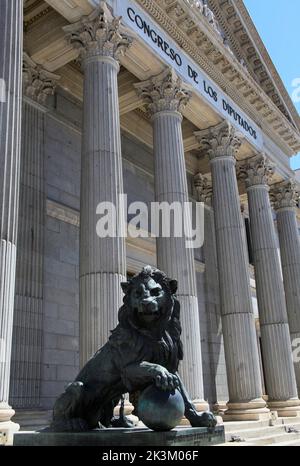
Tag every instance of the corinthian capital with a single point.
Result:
(203, 187)
(285, 195)
(99, 34)
(38, 83)
(256, 170)
(165, 92)
(220, 140)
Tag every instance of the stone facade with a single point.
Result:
(60, 336)
(104, 115)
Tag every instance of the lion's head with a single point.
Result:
(150, 301)
(150, 296)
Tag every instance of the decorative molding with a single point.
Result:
(256, 171)
(38, 83)
(165, 92)
(62, 213)
(222, 140)
(248, 48)
(34, 12)
(285, 195)
(197, 38)
(72, 10)
(99, 34)
(195, 35)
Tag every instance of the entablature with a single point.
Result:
(195, 34)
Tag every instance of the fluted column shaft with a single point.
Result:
(27, 334)
(173, 256)
(238, 325)
(286, 201)
(27, 343)
(11, 40)
(237, 314)
(204, 191)
(275, 339)
(102, 259)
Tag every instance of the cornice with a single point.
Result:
(267, 60)
(34, 11)
(240, 30)
(191, 30)
(194, 34)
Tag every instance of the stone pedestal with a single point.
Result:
(11, 40)
(181, 436)
(241, 352)
(275, 339)
(100, 39)
(165, 96)
(285, 197)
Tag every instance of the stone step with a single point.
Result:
(237, 444)
(288, 420)
(276, 442)
(244, 425)
(259, 432)
(268, 438)
(262, 433)
(291, 443)
(273, 439)
(235, 426)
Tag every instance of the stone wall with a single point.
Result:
(61, 264)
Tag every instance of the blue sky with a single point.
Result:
(278, 23)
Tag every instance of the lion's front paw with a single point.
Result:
(205, 419)
(165, 380)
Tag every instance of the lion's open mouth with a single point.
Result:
(147, 316)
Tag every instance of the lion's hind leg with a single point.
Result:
(67, 410)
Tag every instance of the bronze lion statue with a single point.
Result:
(144, 348)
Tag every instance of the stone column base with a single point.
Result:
(288, 408)
(220, 407)
(128, 408)
(255, 410)
(201, 405)
(7, 427)
(7, 431)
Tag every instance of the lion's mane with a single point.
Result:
(167, 331)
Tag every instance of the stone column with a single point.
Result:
(285, 197)
(166, 96)
(11, 40)
(241, 352)
(204, 191)
(275, 338)
(27, 343)
(101, 40)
